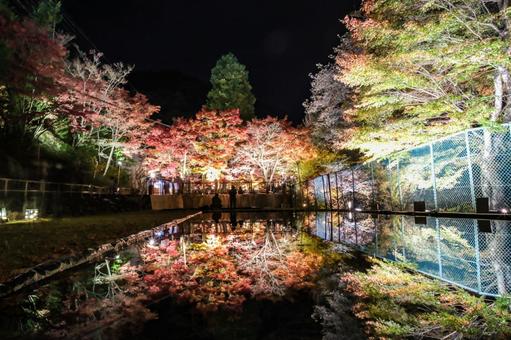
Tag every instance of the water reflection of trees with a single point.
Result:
(453, 249)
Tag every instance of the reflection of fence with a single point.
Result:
(170, 187)
(448, 174)
(451, 249)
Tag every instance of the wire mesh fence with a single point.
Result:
(448, 175)
(454, 250)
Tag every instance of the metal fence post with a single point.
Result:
(403, 239)
(324, 190)
(337, 192)
(389, 175)
(329, 191)
(399, 186)
(373, 191)
(478, 260)
(353, 203)
(470, 171)
(439, 249)
(433, 176)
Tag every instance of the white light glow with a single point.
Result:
(504, 211)
(212, 174)
(31, 214)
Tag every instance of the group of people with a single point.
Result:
(216, 202)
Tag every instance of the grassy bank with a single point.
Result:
(24, 245)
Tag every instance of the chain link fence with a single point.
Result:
(448, 175)
(450, 249)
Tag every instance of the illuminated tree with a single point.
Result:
(273, 148)
(216, 136)
(422, 69)
(324, 114)
(206, 142)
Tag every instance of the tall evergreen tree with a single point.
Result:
(231, 88)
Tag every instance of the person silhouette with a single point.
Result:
(216, 202)
(232, 197)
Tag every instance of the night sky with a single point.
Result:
(174, 45)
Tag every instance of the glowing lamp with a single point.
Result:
(3, 215)
(31, 214)
(212, 174)
(504, 211)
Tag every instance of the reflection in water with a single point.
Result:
(451, 249)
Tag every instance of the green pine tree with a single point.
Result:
(231, 88)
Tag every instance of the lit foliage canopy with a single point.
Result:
(44, 92)
(231, 88)
(266, 149)
(422, 69)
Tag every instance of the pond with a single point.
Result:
(248, 276)
(219, 276)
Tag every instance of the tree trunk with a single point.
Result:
(109, 161)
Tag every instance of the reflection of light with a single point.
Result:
(304, 205)
(350, 215)
(212, 241)
(117, 257)
(349, 204)
(504, 210)
(427, 210)
(152, 242)
(358, 209)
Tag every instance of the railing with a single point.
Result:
(9, 185)
(449, 175)
(172, 187)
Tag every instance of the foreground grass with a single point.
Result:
(24, 245)
(395, 302)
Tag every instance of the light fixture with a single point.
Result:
(31, 214)
(3, 215)
(212, 174)
(504, 210)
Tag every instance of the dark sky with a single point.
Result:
(174, 44)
